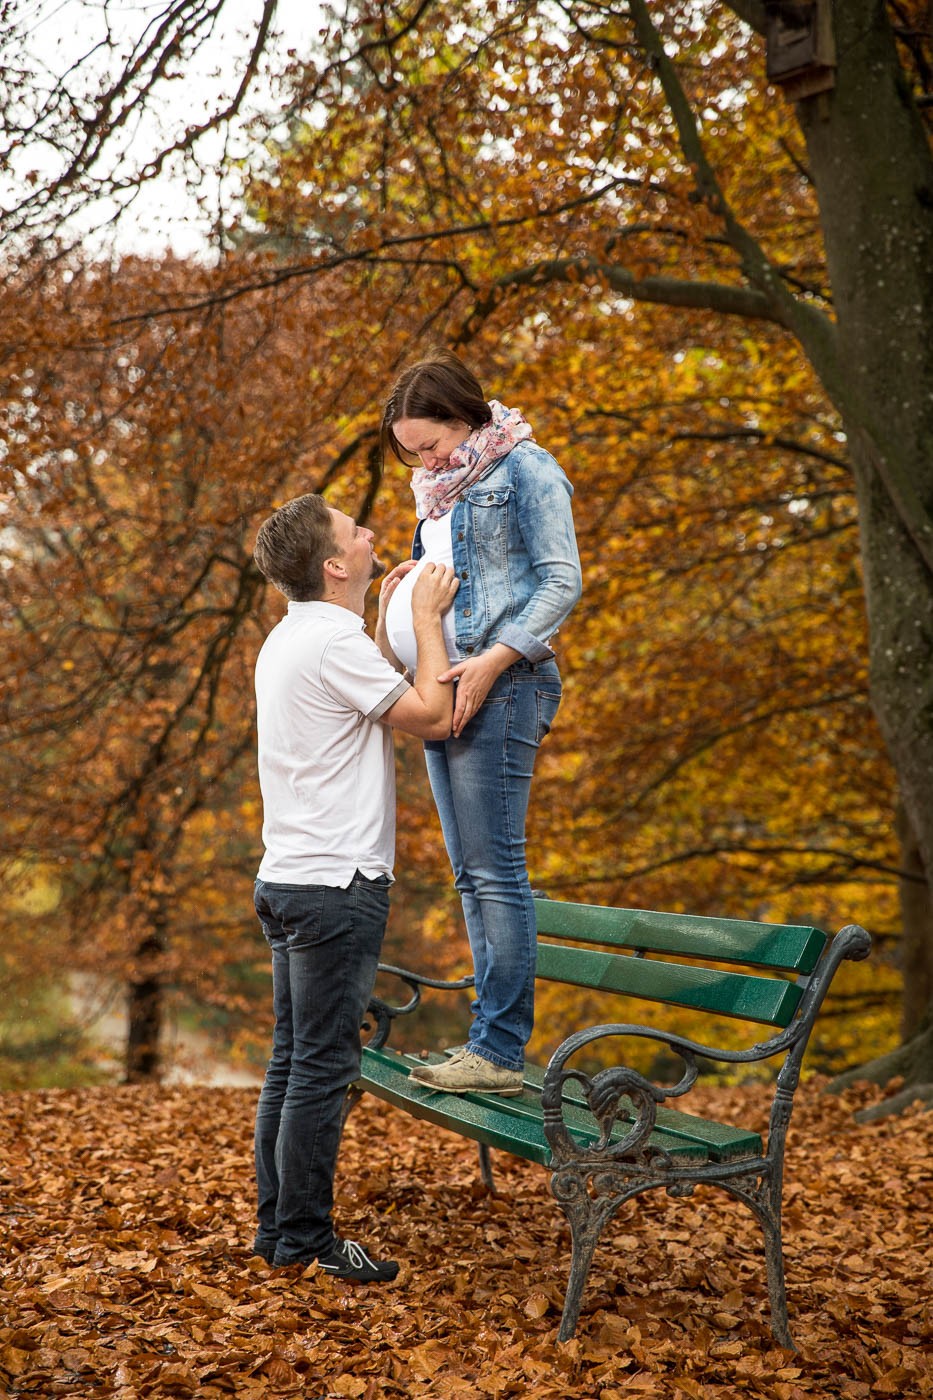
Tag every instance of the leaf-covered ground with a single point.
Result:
(127, 1214)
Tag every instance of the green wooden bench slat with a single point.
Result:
(787, 947)
(470, 1120)
(769, 1000)
(385, 1075)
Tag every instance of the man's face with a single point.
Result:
(355, 547)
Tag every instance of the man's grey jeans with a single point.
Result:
(325, 945)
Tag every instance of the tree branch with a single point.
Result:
(382, 253)
(814, 330)
(721, 297)
(841, 864)
(109, 111)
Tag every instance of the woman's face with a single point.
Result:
(429, 439)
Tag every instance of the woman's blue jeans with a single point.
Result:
(325, 945)
(481, 784)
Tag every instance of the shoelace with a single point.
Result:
(355, 1254)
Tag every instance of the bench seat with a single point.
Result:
(515, 1124)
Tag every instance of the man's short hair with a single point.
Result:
(291, 547)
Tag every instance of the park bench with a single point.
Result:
(604, 1132)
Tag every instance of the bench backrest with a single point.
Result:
(761, 992)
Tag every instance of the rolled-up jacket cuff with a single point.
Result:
(530, 646)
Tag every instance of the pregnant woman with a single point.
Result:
(496, 506)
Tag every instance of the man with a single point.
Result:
(326, 700)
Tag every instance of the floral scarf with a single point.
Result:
(437, 491)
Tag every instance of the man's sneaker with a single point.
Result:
(467, 1073)
(349, 1260)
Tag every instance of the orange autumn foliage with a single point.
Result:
(521, 192)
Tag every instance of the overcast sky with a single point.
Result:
(166, 213)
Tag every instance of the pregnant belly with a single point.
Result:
(399, 628)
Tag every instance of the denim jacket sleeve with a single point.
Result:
(545, 522)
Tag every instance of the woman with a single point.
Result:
(494, 504)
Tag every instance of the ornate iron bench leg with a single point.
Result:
(777, 1293)
(587, 1217)
(585, 1237)
(764, 1199)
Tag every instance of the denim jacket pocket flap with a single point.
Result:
(480, 495)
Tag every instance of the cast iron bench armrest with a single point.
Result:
(384, 1012)
(620, 1091)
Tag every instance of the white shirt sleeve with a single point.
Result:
(354, 672)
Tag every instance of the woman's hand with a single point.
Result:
(475, 679)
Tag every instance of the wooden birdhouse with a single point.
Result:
(801, 53)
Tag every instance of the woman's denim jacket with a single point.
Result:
(515, 554)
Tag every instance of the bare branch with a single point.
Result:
(82, 128)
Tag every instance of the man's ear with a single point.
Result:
(335, 568)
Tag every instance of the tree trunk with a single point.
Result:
(145, 1013)
(916, 949)
(870, 159)
(913, 1062)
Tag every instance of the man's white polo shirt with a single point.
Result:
(326, 765)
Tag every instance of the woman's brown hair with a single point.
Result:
(439, 387)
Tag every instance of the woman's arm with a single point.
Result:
(474, 679)
(545, 521)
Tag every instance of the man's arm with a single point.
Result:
(427, 709)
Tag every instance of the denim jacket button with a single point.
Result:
(467, 612)
(465, 574)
